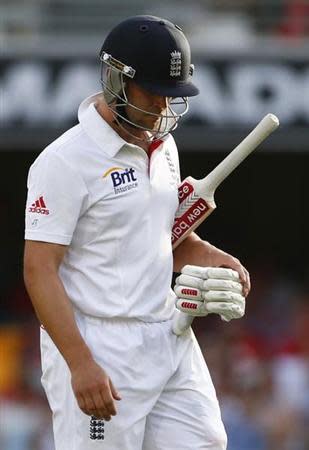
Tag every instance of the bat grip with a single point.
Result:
(181, 322)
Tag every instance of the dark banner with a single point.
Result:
(40, 97)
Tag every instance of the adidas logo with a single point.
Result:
(39, 207)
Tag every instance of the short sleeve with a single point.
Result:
(56, 197)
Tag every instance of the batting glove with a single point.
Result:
(204, 290)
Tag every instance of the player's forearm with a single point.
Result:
(193, 250)
(55, 312)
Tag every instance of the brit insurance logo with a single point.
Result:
(123, 179)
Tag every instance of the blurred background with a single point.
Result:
(251, 57)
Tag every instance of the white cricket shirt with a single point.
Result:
(114, 209)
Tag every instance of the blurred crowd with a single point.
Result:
(288, 18)
(276, 18)
(259, 364)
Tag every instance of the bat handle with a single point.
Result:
(181, 322)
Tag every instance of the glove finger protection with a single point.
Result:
(205, 290)
(232, 307)
(210, 272)
(223, 296)
(226, 311)
(185, 282)
(228, 307)
(188, 292)
(190, 281)
(194, 308)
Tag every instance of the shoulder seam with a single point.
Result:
(67, 141)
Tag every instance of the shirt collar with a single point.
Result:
(97, 128)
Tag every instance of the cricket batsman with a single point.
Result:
(98, 260)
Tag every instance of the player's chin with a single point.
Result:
(154, 124)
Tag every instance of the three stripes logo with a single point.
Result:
(39, 207)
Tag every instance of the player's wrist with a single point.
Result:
(206, 253)
(214, 256)
(79, 357)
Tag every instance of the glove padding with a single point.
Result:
(204, 290)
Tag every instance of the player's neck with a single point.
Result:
(128, 133)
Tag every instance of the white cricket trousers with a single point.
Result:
(168, 398)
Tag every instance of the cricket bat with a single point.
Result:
(196, 197)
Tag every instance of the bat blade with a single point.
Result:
(196, 197)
